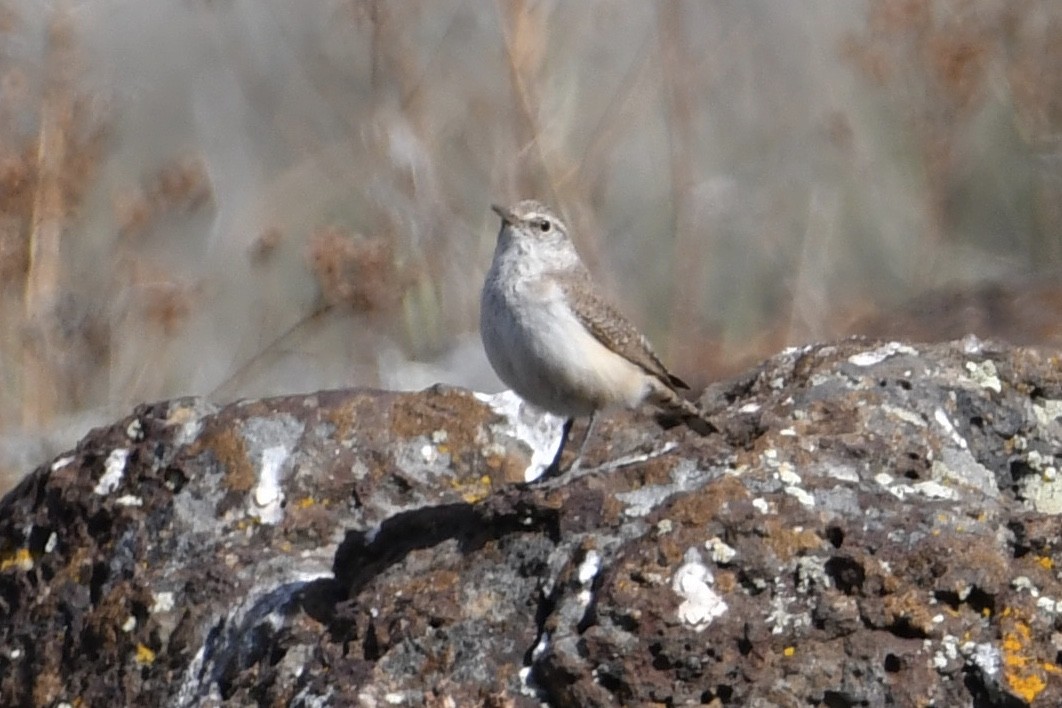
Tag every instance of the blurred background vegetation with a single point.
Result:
(239, 198)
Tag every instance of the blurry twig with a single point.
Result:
(605, 131)
(522, 63)
(225, 388)
(526, 46)
(40, 395)
(686, 255)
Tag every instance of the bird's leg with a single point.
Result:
(554, 467)
(574, 469)
(554, 470)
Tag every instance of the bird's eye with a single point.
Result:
(545, 226)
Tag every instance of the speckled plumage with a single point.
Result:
(612, 329)
(552, 337)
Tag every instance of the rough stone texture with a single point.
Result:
(876, 524)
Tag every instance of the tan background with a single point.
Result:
(241, 198)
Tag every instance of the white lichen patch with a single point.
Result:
(903, 414)
(135, 431)
(928, 489)
(984, 375)
(540, 430)
(700, 603)
(935, 490)
(761, 505)
(268, 496)
(1023, 582)
(161, 601)
(1048, 605)
(787, 474)
(898, 490)
(843, 473)
(961, 467)
(986, 656)
(811, 573)
(586, 573)
(1036, 461)
(944, 422)
(129, 500)
(719, 551)
(1043, 494)
(876, 356)
(780, 618)
(801, 495)
(641, 502)
(589, 568)
(948, 652)
(821, 379)
(62, 462)
(1047, 411)
(113, 470)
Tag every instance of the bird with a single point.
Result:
(552, 336)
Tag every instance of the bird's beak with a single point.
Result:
(505, 214)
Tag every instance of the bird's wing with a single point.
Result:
(613, 329)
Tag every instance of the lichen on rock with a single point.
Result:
(875, 523)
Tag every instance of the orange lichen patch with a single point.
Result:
(305, 503)
(144, 655)
(789, 651)
(453, 417)
(910, 608)
(451, 410)
(20, 559)
(726, 582)
(231, 451)
(1045, 562)
(671, 549)
(343, 417)
(788, 542)
(475, 490)
(1024, 674)
(709, 503)
(47, 686)
(510, 468)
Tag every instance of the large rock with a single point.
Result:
(875, 524)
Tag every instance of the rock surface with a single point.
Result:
(875, 524)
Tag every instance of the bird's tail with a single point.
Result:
(672, 404)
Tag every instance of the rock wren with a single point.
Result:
(553, 338)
